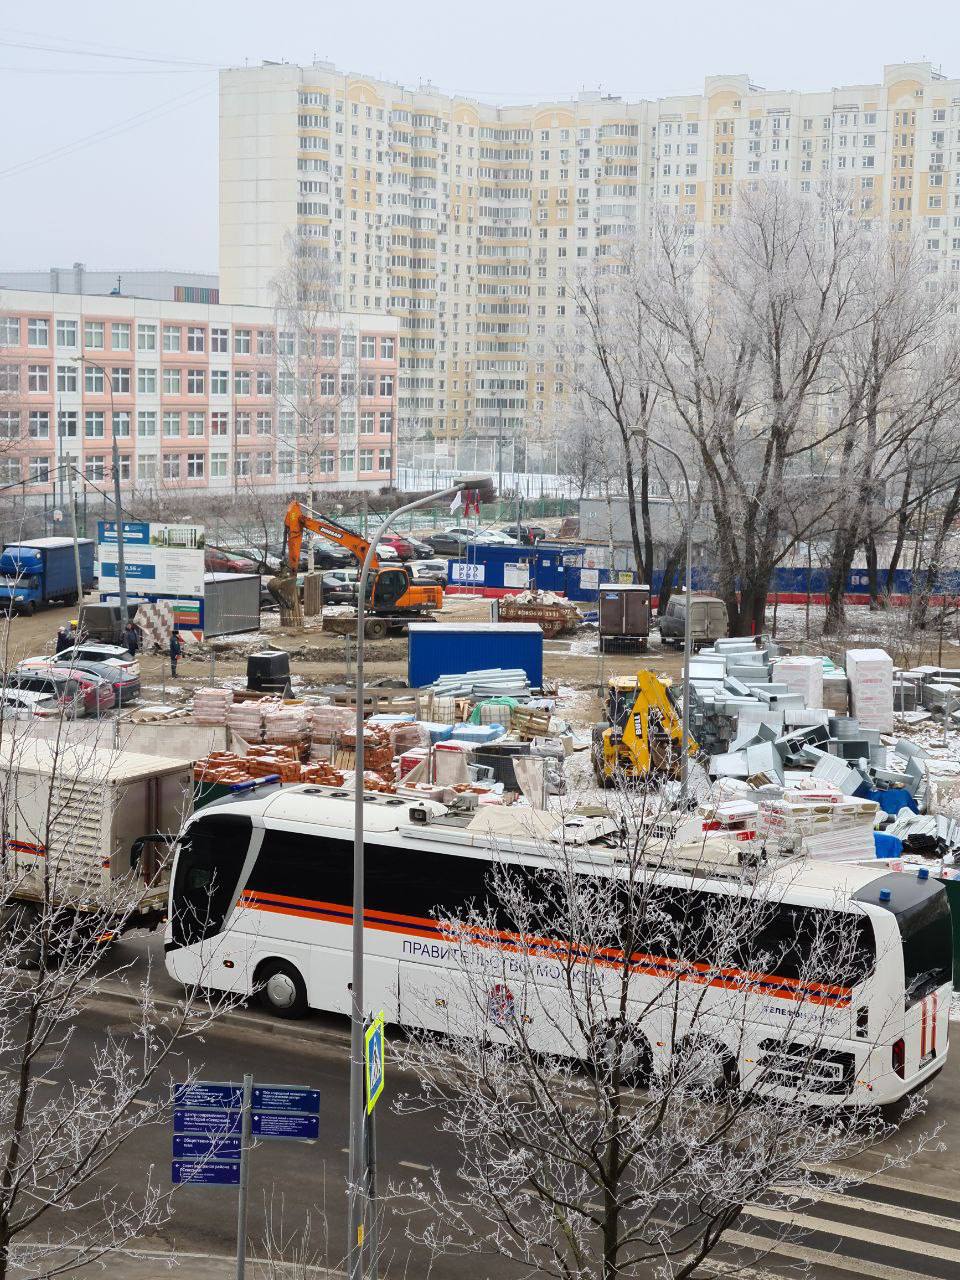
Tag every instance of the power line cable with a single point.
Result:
(38, 47)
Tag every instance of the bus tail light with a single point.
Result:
(898, 1058)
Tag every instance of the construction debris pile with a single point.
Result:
(554, 614)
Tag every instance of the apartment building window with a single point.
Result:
(368, 347)
(264, 382)
(171, 337)
(171, 424)
(171, 466)
(328, 346)
(386, 379)
(219, 382)
(68, 424)
(196, 338)
(241, 342)
(264, 464)
(120, 424)
(328, 384)
(93, 379)
(146, 423)
(387, 347)
(120, 336)
(242, 423)
(220, 341)
(9, 331)
(39, 470)
(218, 466)
(9, 424)
(241, 382)
(241, 465)
(171, 382)
(66, 377)
(94, 468)
(196, 382)
(93, 424)
(385, 459)
(38, 333)
(66, 333)
(366, 459)
(146, 337)
(286, 343)
(38, 424)
(264, 423)
(264, 342)
(195, 463)
(147, 467)
(219, 423)
(147, 382)
(196, 424)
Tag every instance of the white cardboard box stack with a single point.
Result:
(870, 672)
(801, 675)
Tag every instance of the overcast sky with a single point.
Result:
(111, 160)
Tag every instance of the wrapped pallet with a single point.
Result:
(870, 672)
(801, 675)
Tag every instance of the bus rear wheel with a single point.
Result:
(282, 989)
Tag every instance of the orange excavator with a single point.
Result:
(392, 597)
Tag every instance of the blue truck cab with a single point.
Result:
(37, 572)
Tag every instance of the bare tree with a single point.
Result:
(588, 1147)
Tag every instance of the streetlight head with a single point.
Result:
(483, 486)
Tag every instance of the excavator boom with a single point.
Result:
(296, 520)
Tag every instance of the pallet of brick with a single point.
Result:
(328, 724)
(321, 775)
(870, 673)
(285, 726)
(210, 705)
(246, 719)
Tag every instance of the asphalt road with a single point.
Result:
(903, 1224)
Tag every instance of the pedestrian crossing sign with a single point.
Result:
(373, 1046)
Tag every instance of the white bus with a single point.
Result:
(261, 894)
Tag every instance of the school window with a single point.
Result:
(366, 459)
(120, 336)
(287, 422)
(243, 424)
(368, 384)
(147, 382)
(241, 382)
(120, 425)
(171, 337)
(171, 382)
(219, 423)
(171, 466)
(66, 377)
(66, 333)
(93, 424)
(93, 334)
(146, 337)
(264, 464)
(219, 382)
(125, 466)
(264, 423)
(196, 424)
(38, 426)
(367, 424)
(68, 424)
(328, 346)
(386, 422)
(39, 472)
(348, 384)
(9, 331)
(385, 459)
(241, 464)
(38, 333)
(218, 466)
(326, 461)
(264, 382)
(147, 467)
(286, 343)
(38, 377)
(146, 423)
(94, 468)
(93, 378)
(348, 345)
(9, 424)
(195, 466)
(327, 423)
(285, 464)
(368, 348)
(196, 381)
(328, 384)
(346, 460)
(171, 424)
(264, 342)
(386, 348)
(220, 341)
(241, 342)
(386, 379)
(196, 338)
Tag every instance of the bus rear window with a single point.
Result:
(927, 939)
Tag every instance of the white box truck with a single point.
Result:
(93, 823)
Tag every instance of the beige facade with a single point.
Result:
(470, 223)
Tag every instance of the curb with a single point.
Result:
(240, 1020)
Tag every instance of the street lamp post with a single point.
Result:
(356, 1192)
(687, 641)
(118, 509)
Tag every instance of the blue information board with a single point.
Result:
(272, 1097)
(206, 1121)
(225, 1173)
(194, 1145)
(284, 1124)
(205, 1096)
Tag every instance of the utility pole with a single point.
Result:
(117, 508)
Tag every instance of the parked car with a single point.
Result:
(78, 692)
(91, 651)
(219, 560)
(708, 618)
(401, 545)
(124, 678)
(421, 550)
(526, 534)
(24, 704)
(339, 586)
(326, 555)
(450, 542)
(430, 569)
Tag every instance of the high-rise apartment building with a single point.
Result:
(470, 223)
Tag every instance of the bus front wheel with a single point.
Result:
(282, 989)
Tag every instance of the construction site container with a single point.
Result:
(231, 603)
(435, 650)
(497, 569)
(624, 616)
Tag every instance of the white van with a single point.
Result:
(708, 616)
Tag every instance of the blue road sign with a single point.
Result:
(283, 1124)
(205, 1096)
(224, 1173)
(191, 1146)
(273, 1097)
(374, 1072)
(210, 1122)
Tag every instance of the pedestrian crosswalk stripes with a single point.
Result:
(851, 1231)
(815, 1257)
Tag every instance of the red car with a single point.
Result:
(79, 692)
(404, 549)
(216, 560)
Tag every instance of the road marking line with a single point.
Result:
(886, 1180)
(412, 1164)
(859, 1266)
(851, 1232)
(883, 1209)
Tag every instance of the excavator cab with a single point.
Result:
(386, 588)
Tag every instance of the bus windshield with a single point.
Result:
(211, 857)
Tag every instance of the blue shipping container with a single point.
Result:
(436, 650)
(542, 567)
